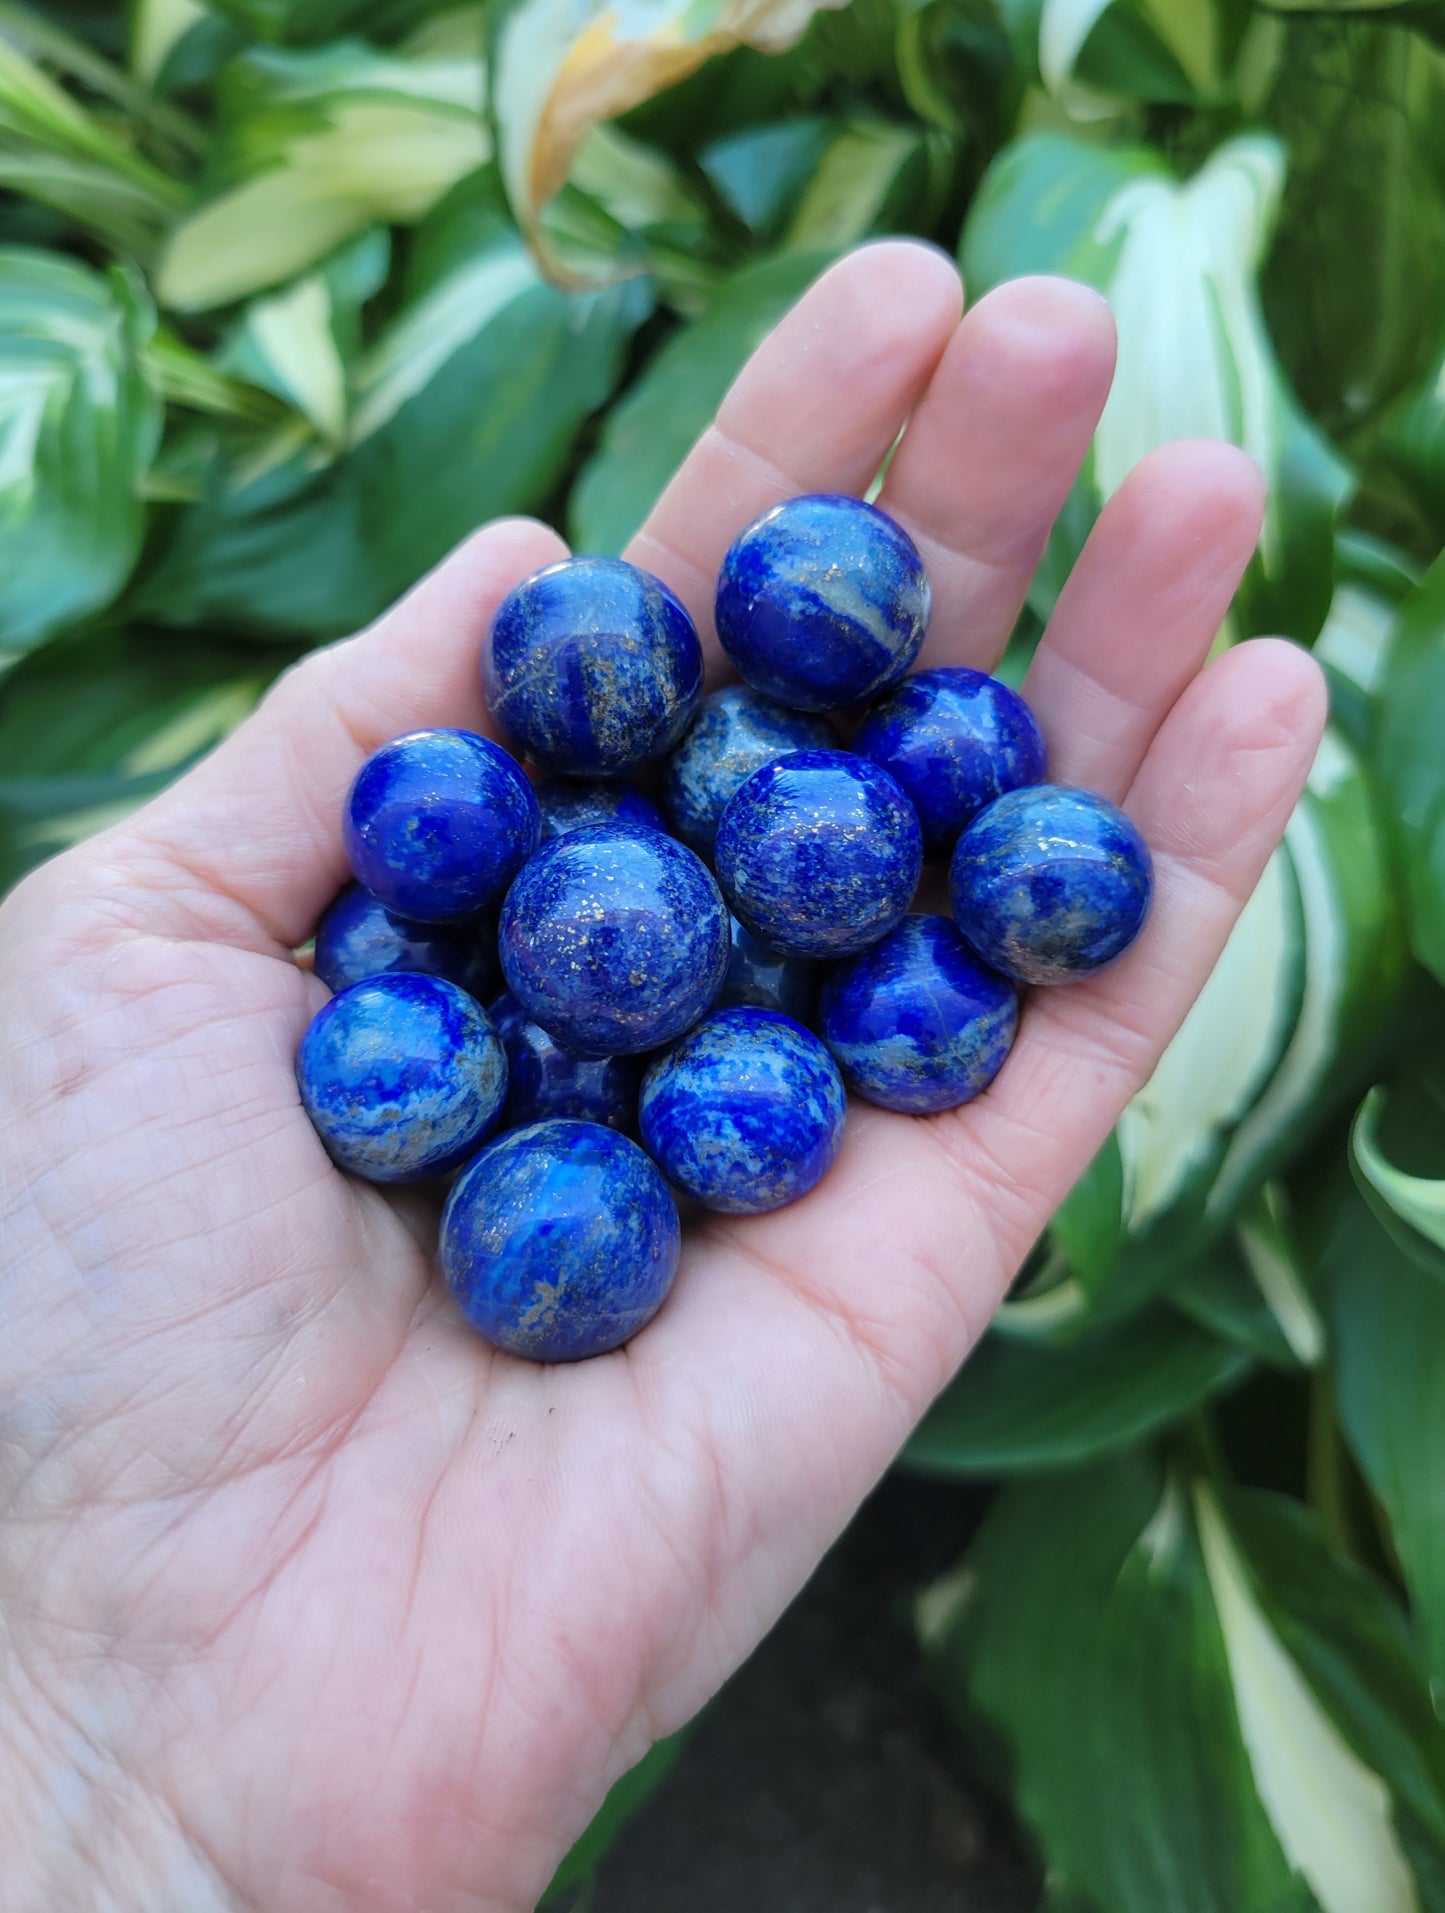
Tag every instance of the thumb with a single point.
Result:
(246, 848)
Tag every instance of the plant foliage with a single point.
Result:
(294, 293)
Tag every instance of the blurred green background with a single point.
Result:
(294, 293)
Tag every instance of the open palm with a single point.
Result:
(307, 1599)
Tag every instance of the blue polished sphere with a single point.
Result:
(594, 666)
(822, 601)
(955, 739)
(1049, 884)
(567, 805)
(437, 824)
(357, 938)
(546, 1079)
(763, 978)
(735, 733)
(614, 940)
(402, 1075)
(819, 853)
(560, 1241)
(917, 1023)
(745, 1113)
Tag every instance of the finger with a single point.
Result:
(247, 847)
(823, 1331)
(1211, 799)
(991, 451)
(1142, 607)
(816, 408)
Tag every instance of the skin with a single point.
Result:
(308, 1601)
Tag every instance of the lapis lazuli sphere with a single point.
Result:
(437, 824)
(917, 1023)
(594, 666)
(358, 938)
(560, 1241)
(955, 739)
(614, 939)
(763, 978)
(819, 853)
(546, 1079)
(735, 733)
(745, 1113)
(402, 1076)
(822, 601)
(1049, 884)
(568, 805)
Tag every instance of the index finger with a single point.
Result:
(816, 408)
(246, 848)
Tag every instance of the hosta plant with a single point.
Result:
(294, 293)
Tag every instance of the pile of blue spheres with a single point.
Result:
(590, 1001)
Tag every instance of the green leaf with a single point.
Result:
(760, 171)
(1407, 759)
(1354, 970)
(300, 346)
(1269, 1254)
(79, 425)
(958, 72)
(1108, 1682)
(1140, 1637)
(171, 134)
(1412, 1207)
(95, 198)
(157, 28)
(625, 1797)
(1220, 1293)
(466, 408)
(652, 427)
(1412, 439)
(303, 23)
(558, 71)
(1147, 1205)
(287, 344)
(1354, 1646)
(1355, 283)
(1088, 1225)
(855, 185)
(1407, 7)
(37, 116)
(634, 184)
(1291, 585)
(188, 378)
(1023, 1405)
(1377, 565)
(1387, 1319)
(1094, 55)
(319, 146)
(1257, 1292)
(1354, 644)
(1191, 251)
(1173, 1135)
(1341, 1741)
(200, 55)
(1042, 206)
(1288, 1022)
(93, 725)
(424, 338)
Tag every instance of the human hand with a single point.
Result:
(308, 1599)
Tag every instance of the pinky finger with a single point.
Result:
(1211, 799)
